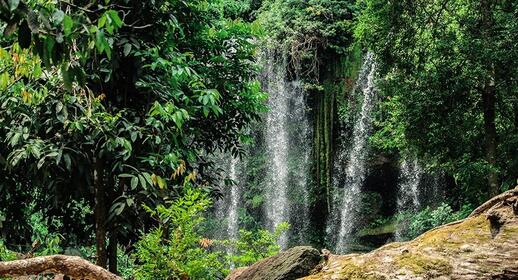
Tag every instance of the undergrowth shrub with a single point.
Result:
(177, 249)
(412, 225)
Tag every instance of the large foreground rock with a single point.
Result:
(483, 246)
(290, 264)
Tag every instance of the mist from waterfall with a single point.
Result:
(351, 166)
(287, 143)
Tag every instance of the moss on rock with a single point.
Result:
(467, 249)
(421, 264)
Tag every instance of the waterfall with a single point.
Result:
(287, 147)
(347, 202)
(233, 222)
(408, 190)
(411, 175)
(226, 209)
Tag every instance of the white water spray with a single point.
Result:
(408, 191)
(286, 133)
(233, 219)
(347, 201)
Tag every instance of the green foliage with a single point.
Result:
(413, 225)
(6, 254)
(177, 248)
(48, 242)
(174, 249)
(252, 246)
(239, 8)
(307, 30)
(127, 98)
(445, 68)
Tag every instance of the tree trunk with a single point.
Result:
(100, 213)
(489, 99)
(490, 132)
(112, 253)
(71, 266)
(114, 193)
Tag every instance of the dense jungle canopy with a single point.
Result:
(180, 139)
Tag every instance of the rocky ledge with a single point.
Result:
(482, 246)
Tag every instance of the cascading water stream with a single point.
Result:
(277, 145)
(411, 175)
(226, 209)
(344, 218)
(408, 191)
(301, 154)
(286, 140)
(233, 222)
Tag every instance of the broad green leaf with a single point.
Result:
(68, 24)
(161, 182)
(133, 136)
(102, 44)
(13, 4)
(41, 162)
(114, 15)
(67, 77)
(48, 49)
(142, 180)
(148, 178)
(130, 201)
(102, 21)
(4, 80)
(59, 107)
(127, 49)
(134, 183)
(36, 72)
(14, 139)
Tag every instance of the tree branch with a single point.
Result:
(71, 266)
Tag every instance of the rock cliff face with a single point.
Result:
(482, 246)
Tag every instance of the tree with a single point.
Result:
(118, 102)
(447, 79)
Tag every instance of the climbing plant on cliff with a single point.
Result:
(450, 88)
(308, 30)
(115, 102)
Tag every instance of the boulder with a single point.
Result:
(482, 246)
(291, 264)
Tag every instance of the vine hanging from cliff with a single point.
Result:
(310, 31)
